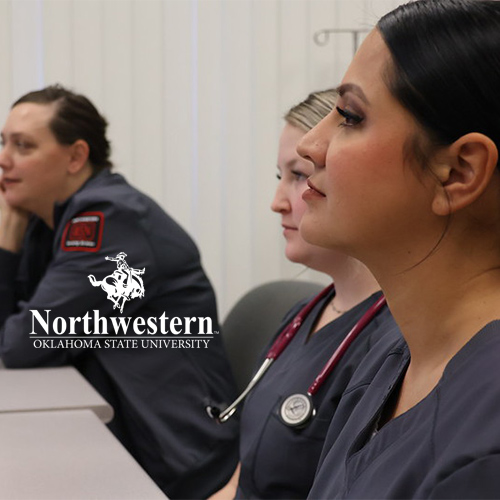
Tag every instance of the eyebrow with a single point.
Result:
(289, 164)
(353, 88)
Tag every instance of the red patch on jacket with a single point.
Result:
(83, 233)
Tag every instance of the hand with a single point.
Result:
(13, 224)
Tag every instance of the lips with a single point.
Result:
(6, 182)
(312, 193)
(314, 188)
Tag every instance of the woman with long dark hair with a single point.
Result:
(406, 180)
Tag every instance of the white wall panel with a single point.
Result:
(194, 91)
(294, 64)
(324, 67)
(237, 141)
(179, 103)
(27, 45)
(58, 42)
(87, 42)
(146, 97)
(267, 241)
(211, 101)
(117, 48)
(6, 56)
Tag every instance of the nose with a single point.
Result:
(314, 145)
(280, 203)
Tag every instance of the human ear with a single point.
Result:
(79, 155)
(464, 173)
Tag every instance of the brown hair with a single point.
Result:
(75, 118)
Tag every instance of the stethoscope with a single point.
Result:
(297, 409)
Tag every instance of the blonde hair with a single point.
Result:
(312, 110)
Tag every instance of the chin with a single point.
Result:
(13, 200)
(312, 234)
(18, 203)
(298, 255)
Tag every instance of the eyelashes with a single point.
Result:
(295, 174)
(350, 119)
(299, 175)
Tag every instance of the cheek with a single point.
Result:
(364, 184)
(362, 171)
(46, 169)
(345, 180)
(36, 177)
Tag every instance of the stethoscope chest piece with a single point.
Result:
(296, 410)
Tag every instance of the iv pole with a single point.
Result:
(322, 37)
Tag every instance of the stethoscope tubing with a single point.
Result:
(344, 345)
(278, 346)
(285, 338)
(228, 412)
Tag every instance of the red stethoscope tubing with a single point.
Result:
(344, 345)
(286, 336)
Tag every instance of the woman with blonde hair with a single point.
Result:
(286, 416)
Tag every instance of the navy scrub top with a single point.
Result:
(278, 461)
(447, 446)
(158, 394)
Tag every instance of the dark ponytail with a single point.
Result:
(446, 65)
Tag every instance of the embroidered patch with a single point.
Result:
(83, 233)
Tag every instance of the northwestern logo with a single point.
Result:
(131, 332)
(123, 284)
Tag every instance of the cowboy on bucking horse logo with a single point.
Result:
(123, 284)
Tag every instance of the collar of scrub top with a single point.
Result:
(286, 336)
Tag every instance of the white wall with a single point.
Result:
(194, 91)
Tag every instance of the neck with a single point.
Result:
(353, 283)
(75, 182)
(442, 303)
